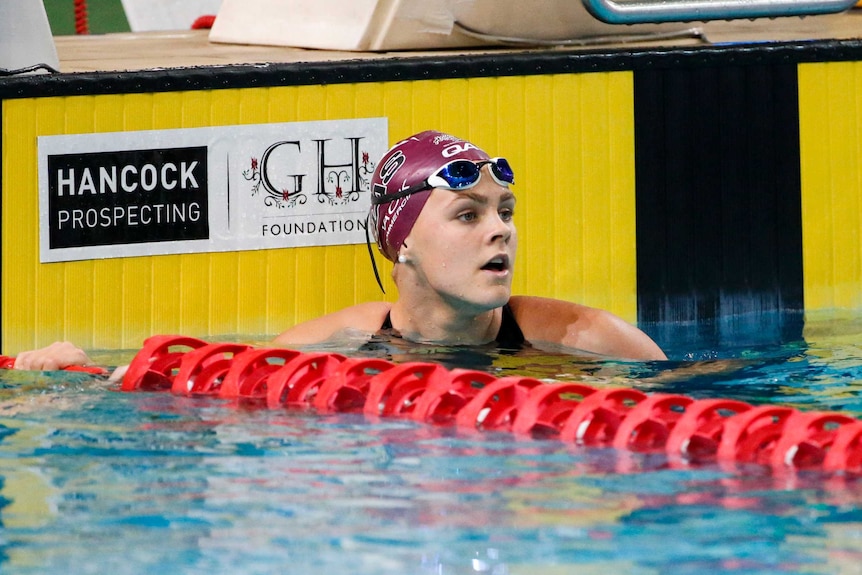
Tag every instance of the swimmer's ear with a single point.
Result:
(402, 257)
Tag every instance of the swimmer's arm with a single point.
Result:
(365, 317)
(58, 355)
(582, 327)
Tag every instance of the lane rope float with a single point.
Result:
(695, 430)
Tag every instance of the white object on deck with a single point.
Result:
(382, 25)
(148, 15)
(25, 36)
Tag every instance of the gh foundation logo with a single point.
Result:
(341, 172)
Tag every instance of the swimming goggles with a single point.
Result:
(457, 175)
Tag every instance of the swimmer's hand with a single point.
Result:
(58, 355)
(118, 374)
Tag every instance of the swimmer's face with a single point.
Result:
(463, 245)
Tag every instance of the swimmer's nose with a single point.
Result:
(502, 229)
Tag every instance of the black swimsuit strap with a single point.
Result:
(510, 335)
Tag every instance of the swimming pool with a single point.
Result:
(97, 481)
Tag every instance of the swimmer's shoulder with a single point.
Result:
(581, 327)
(547, 319)
(364, 317)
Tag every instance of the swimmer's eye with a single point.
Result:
(507, 215)
(467, 216)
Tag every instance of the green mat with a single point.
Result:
(103, 16)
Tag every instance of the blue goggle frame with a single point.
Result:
(456, 175)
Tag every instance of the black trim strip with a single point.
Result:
(468, 65)
(718, 196)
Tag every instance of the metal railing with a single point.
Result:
(654, 11)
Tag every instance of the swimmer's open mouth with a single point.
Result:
(497, 264)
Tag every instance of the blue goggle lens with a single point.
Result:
(502, 171)
(462, 174)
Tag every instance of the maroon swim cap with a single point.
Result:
(408, 163)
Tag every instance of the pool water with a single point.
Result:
(99, 481)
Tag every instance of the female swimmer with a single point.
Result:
(442, 213)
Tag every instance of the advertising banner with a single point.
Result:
(213, 189)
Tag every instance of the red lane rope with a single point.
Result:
(723, 430)
(82, 25)
(204, 22)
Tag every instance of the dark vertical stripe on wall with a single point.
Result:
(719, 225)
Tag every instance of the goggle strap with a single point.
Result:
(371, 253)
(385, 199)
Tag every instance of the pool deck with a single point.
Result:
(192, 48)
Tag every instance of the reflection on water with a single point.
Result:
(97, 481)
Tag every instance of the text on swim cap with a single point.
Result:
(456, 149)
(387, 171)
